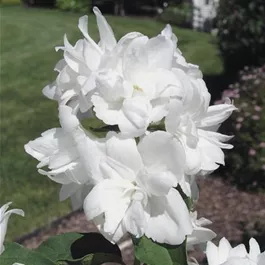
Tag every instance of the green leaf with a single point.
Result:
(178, 254)
(58, 247)
(92, 123)
(94, 259)
(91, 243)
(17, 253)
(151, 253)
(75, 248)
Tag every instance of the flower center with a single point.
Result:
(137, 88)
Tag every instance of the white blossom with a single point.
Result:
(138, 94)
(75, 83)
(137, 195)
(224, 254)
(146, 172)
(4, 217)
(195, 124)
(129, 184)
(65, 151)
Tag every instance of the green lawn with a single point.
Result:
(28, 37)
(10, 2)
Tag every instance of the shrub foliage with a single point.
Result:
(74, 5)
(241, 27)
(246, 162)
(179, 15)
(39, 3)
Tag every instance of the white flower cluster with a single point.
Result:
(224, 254)
(130, 180)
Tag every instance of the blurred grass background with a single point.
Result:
(28, 37)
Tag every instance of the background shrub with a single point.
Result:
(42, 3)
(241, 27)
(74, 5)
(117, 7)
(180, 15)
(246, 162)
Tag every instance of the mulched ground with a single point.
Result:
(233, 213)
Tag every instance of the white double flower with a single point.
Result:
(127, 181)
(132, 185)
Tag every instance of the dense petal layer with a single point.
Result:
(115, 146)
(108, 198)
(134, 119)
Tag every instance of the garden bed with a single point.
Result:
(234, 214)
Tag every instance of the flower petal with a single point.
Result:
(68, 121)
(50, 91)
(193, 159)
(217, 114)
(224, 250)
(163, 58)
(169, 219)
(115, 147)
(44, 146)
(212, 254)
(108, 112)
(68, 190)
(135, 118)
(199, 235)
(104, 195)
(173, 117)
(82, 25)
(238, 251)
(4, 217)
(135, 59)
(159, 109)
(261, 258)
(211, 155)
(135, 220)
(216, 138)
(161, 152)
(113, 169)
(157, 184)
(107, 39)
(92, 56)
(254, 249)
(101, 200)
